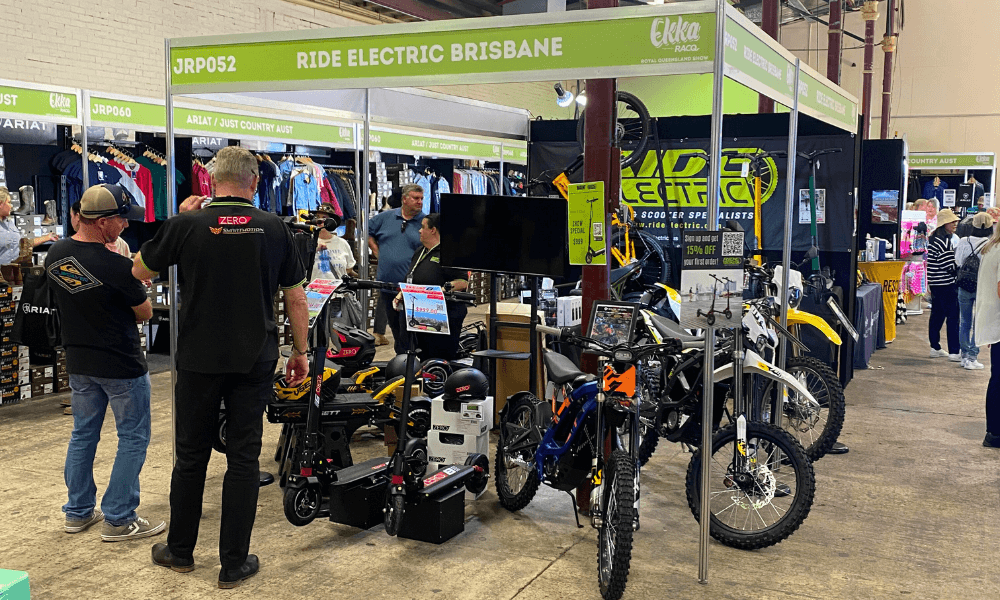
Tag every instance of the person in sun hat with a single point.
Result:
(972, 245)
(942, 273)
(99, 304)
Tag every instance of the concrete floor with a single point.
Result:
(910, 512)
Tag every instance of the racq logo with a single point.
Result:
(60, 102)
(234, 220)
(680, 34)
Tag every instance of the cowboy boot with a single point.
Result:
(27, 196)
(50, 213)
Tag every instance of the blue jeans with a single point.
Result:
(129, 400)
(966, 300)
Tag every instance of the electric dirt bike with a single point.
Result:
(755, 503)
(592, 434)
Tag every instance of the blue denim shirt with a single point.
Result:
(10, 240)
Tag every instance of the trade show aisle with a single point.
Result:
(908, 512)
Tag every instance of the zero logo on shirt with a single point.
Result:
(234, 220)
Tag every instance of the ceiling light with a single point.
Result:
(563, 98)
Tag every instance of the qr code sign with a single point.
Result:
(732, 243)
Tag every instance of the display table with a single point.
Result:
(868, 322)
(887, 274)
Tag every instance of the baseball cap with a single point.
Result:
(107, 201)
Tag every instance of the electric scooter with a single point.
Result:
(710, 315)
(813, 160)
(591, 252)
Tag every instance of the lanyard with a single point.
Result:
(423, 253)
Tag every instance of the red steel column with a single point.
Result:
(770, 13)
(870, 14)
(888, 46)
(835, 39)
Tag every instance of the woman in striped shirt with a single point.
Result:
(941, 276)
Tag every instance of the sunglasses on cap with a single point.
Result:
(121, 211)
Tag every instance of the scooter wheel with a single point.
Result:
(219, 440)
(302, 504)
(477, 483)
(710, 317)
(729, 314)
(394, 505)
(590, 259)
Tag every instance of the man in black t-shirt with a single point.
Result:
(100, 303)
(231, 260)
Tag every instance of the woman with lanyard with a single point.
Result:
(10, 237)
(426, 269)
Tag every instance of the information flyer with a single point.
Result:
(588, 243)
(426, 310)
(318, 293)
(805, 214)
(712, 279)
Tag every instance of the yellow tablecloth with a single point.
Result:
(887, 274)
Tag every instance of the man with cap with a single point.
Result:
(99, 303)
(231, 260)
(979, 234)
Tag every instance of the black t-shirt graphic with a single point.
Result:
(231, 259)
(95, 292)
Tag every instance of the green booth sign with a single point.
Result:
(951, 161)
(198, 121)
(41, 104)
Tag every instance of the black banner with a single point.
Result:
(684, 185)
(22, 131)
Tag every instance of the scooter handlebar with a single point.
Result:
(553, 331)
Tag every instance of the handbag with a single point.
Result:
(36, 323)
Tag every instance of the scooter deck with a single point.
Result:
(445, 480)
(367, 469)
(337, 408)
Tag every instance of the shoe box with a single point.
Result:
(43, 380)
(458, 429)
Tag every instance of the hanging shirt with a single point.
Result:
(285, 169)
(935, 191)
(129, 183)
(302, 190)
(201, 181)
(328, 195)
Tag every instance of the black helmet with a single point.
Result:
(397, 367)
(467, 384)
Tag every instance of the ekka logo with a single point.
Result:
(234, 220)
(60, 102)
(679, 33)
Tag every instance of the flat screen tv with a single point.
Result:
(504, 234)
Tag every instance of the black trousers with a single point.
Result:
(443, 346)
(944, 307)
(395, 320)
(197, 398)
(993, 392)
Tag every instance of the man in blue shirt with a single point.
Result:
(393, 236)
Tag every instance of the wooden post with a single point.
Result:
(835, 42)
(888, 46)
(870, 14)
(770, 23)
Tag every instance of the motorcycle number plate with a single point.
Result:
(619, 383)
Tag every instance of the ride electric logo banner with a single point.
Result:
(423, 51)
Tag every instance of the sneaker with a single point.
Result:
(163, 557)
(139, 528)
(955, 357)
(991, 441)
(231, 578)
(938, 353)
(78, 525)
(972, 364)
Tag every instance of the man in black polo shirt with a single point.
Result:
(425, 269)
(231, 258)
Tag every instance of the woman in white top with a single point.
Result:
(988, 331)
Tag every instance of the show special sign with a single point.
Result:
(588, 242)
(496, 45)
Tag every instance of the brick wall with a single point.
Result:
(117, 45)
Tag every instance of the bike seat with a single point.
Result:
(561, 369)
(621, 273)
(668, 328)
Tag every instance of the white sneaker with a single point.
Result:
(972, 364)
(938, 353)
(954, 357)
